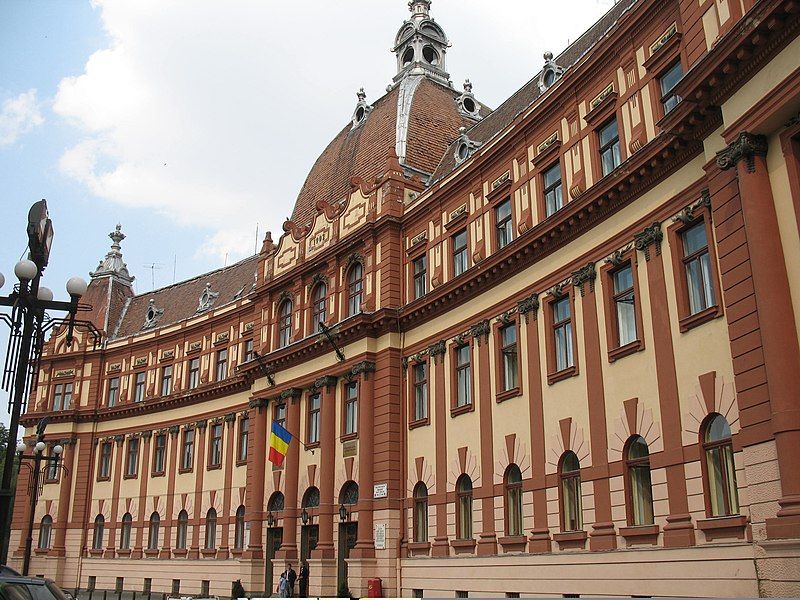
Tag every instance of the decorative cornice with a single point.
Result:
(584, 275)
(746, 146)
(650, 236)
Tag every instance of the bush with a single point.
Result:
(344, 591)
(237, 590)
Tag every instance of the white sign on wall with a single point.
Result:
(380, 490)
(380, 536)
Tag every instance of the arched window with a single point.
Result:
(349, 493)
(464, 507)
(125, 532)
(285, 323)
(570, 474)
(152, 533)
(238, 529)
(318, 306)
(311, 498)
(513, 489)
(45, 529)
(97, 537)
(211, 529)
(355, 289)
(420, 512)
(182, 533)
(720, 469)
(276, 502)
(640, 489)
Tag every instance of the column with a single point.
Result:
(199, 470)
(441, 544)
(143, 477)
(603, 535)
(230, 448)
(365, 542)
(679, 531)
(256, 468)
(487, 538)
(288, 549)
(327, 386)
(776, 319)
(166, 551)
(64, 493)
(540, 534)
(119, 442)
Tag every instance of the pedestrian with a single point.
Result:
(303, 580)
(283, 587)
(291, 577)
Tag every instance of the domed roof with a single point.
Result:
(419, 118)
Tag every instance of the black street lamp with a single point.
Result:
(305, 517)
(343, 514)
(53, 463)
(29, 322)
(271, 520)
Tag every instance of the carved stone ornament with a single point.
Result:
(319, 278)
(551, 72)
(528, 305)
(651, 235)
(467, 105)
(437, 349)
(323, 382)
(119, 438)
(688, 214)
(364, 366)
(618, 257)
(285, 295)
(557, 291)
(140, 362)
(355, 257)
(152, 315)
(230, 417)
(362, 109)
(290, 393)
(584, 275)
(207, 299)
(202, 423)
(167, 354)
(115, 367)
(481, 330)
(507, 317)
(461, 339)
(147, 434)
(174, 429)
(223, 337)
(465, 147)
(746, 146)
(195, 346)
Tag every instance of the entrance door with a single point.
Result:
(308, 541)
(274, 539)
(347, 541)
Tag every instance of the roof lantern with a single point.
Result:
(421, 45)
(113, 265)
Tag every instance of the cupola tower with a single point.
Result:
(421, 45)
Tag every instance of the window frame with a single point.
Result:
(155, 471)
(607, 271)
(566, 478)
(419, 277)
(464, 500)
(62, 395)
(193, 373)
(665, 96)
(153, 531)
(221, 365)
(139, 385)
(553, 374)
(215, 446)
(319, 306)
(112, 387)
(514, 488)
(125, 530)
(609, 146)
(313, 416)
(414, 385)
(100, 461)
(248, 350)
(285, 323)
(242, 440)
(504, 224)
(190, 443)
(687, 320)
(98, 532)
(347, 403)
(455, 367)
(456, 251)
(210, 537)
(239, 528)
(45, 528)
(705, 448)
(166, 379)
(545, 214)
(629, 466)
(420, 534)
(502, 392)
(182, 530)
(132, 448)
(355, 289)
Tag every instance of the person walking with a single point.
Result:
(284, 591)
(291, 577)
(303, 580)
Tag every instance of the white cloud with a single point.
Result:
(18, 116)
(211, 113)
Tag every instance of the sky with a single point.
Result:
(194, 123)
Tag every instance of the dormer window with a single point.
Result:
(152, 315)
(551, 72)
(362, 109)
(206, 299)
(464, 146)
(467, 105)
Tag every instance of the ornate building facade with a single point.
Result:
(546, 349)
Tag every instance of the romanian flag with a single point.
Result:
(278, 444)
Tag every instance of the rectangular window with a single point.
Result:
(553, 190)
(610, 157)
(314, 404)
(459, 242)
(147, 586)
(420, 276)
(120, 585)
(132, 459)
(697, 266)
(187, 452)
(248, 351)
(166, 380)
(244, 432)
(508, 350)
(113, 392)
(463, 376)
(51, 469)
(138, 386)
(503, 224)
(194, 373)
(279, 415)
(104, 470)
(420, 391)
(160, 454)
(62, 396)
(215, 446)
(351, 408)
(562, 334)
(624, 305)
(205, 586)
(222, 364)
(176, 587)
(667, 83)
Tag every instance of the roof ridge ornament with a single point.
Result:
(152, 315)
(113, 265)
(551, 72)
(207, 299)
(362, 109)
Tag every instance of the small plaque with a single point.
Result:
(380, 536)
(349, 448)
(380, 490)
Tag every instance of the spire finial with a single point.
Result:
(113, 264)
(419, 8)
(361, 95)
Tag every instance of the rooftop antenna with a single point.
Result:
(174, 267)
(153, 268)
(255, 245)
